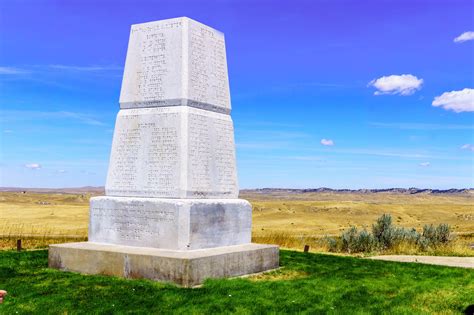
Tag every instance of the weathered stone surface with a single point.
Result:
(186, 268)
(172, 152)
(176, 62)
(180, 224)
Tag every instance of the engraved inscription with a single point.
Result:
(211, 155)
(208, 81)
(156, 72)
(132, 221)
(153, 66)
(145, 156)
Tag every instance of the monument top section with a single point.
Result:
(176, 62)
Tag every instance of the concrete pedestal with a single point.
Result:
(186, 268)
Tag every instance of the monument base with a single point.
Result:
(174, 224)
(186, 268)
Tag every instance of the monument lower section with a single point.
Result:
(187, 268)
(178, 224)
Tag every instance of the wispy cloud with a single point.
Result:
(468, 147)
(85, 68)
(16, 115)
(26, 69)
(291, 87)
(404, 154)
(261, 145)
(33, 166)
(263, 123)
(457, 101)
(387, 153)
(310, 158)
(84, 118)
(405, 84)
(421, 126)
(464, 37)
(12, 71)
(327, 142)
(425, 164)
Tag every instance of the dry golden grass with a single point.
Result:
(321, 214)
(280, 274)
(42, 219)
(291, 220)
(295, 220)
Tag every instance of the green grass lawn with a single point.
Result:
(306, 283)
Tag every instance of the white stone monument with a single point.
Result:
(171, 211)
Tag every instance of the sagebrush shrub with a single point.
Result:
(348, 239)
(383, 231)
(385, 235)
(332, 244)
(443, 233)
(365, 242)
(429, 232)
(353, 241)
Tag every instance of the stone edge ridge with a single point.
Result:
(179, 18)
(175, 102)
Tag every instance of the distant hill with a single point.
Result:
(409, 191)
(75, 190)
(261, 191)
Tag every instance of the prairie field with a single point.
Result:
(288, 219)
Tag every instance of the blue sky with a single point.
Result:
(338, 94)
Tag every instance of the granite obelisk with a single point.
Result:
(171, 210)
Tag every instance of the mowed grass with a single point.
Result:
(306, 283)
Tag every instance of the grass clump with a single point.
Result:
(386, 237)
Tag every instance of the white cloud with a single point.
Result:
(405, 84)
(327, 142)
(468, 147)
(7, 131)
(33, 166)
(425, 164)
(61, 171)
(464, 37)
(457, 101)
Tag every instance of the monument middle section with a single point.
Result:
(172, 152)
